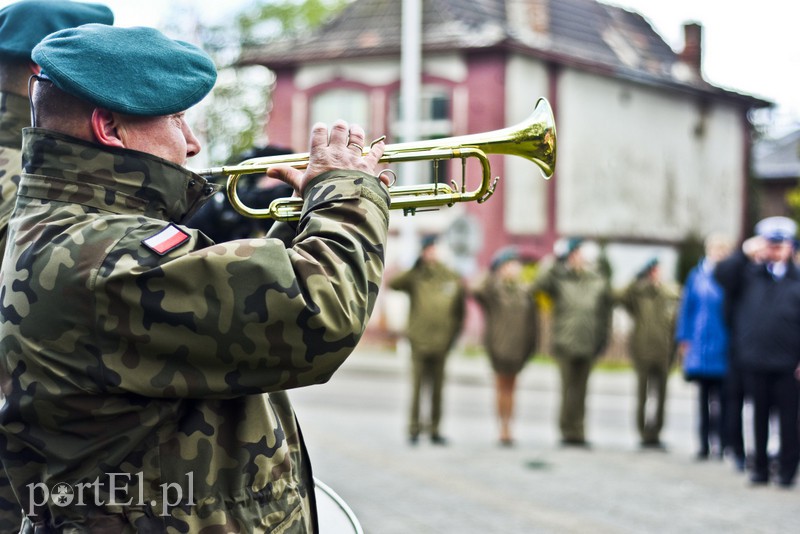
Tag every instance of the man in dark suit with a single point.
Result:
(763, 287)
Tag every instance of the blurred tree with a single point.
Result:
(690, 250)
(793, 201)
(231, 120)
(277, 19)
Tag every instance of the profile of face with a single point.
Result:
(167, 136)
(577, 259)
(510, 270)
(430, 254)
(654, 275)
(778, 251)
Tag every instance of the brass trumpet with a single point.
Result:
(534, 139)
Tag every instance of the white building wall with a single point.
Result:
(378, 72)
(630, 163)
(523, 188)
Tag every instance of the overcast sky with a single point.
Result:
(750, 47)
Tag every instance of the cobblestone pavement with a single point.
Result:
(355, 430)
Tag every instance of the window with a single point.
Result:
(434, 123)
(349, 104)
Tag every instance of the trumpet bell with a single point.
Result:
(533, 139)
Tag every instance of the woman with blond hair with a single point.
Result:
(702, 337)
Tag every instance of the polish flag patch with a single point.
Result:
(170, 238)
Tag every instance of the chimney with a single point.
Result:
(539, 16)
(692, 53)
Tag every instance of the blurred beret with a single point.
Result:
(24, 24)
(504, 255)
(573, 244)
(777, 229)
(428, 241)
(651, 264)
(136, 71)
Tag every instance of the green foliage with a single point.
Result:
(690, 250)
(793, 201)
(286, 18)
(234, 114)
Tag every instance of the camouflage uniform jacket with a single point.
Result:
(581, 310)
(436, 314)
(15, 114)
(128, 369)
(653, 308)
(511, 322)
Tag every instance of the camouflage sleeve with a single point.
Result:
(604, 318)
(625, 298)
(10, 169)
(251, 315)
(461, 304)
(479, 290)
(284, 231)
(544, 282)
(10, 509)
(402, 281)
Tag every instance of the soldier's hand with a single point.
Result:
(340, 149)
(755, 248)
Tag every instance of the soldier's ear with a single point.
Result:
(105, 127)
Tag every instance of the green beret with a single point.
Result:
(502, 256)
(136, 71)
(24, 24)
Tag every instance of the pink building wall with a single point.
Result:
(485, 86)
(486, 111)
(279, 123)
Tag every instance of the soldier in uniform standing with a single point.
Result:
(436, 315)
(511, 329)
(581, 322)
(652, 305)
(22, 26)
(134, 351)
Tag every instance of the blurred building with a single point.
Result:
(649, 152)
(776, 166)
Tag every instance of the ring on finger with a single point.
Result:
(359, 147)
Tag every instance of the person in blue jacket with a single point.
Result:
(702, 337)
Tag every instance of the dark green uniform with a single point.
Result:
(510, 329)
(15, 114)
(653, 308)
(436, 315)
(581, 323)
(147, 371)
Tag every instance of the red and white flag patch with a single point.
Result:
(170, 238)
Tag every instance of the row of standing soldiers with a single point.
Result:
(733, 327)
(582, 301)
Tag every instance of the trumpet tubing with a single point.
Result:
(533, 139)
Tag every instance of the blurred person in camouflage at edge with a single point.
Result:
(22, 26)
(135, 351)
